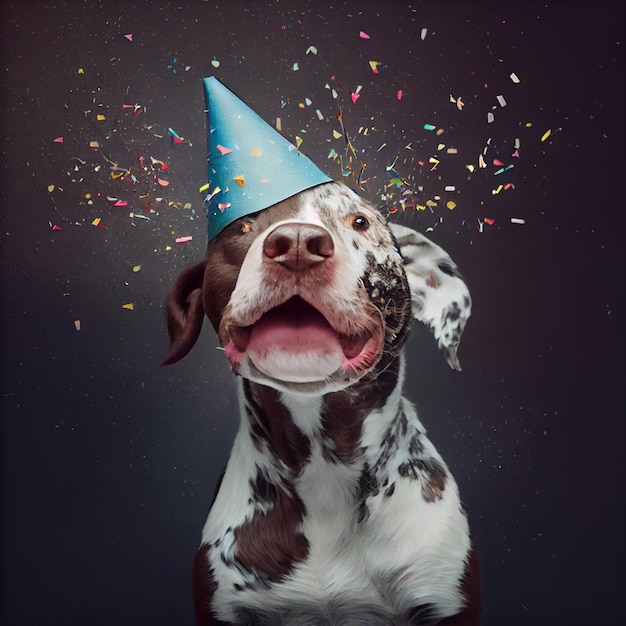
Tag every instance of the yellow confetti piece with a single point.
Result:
(451, 204)
(96, 222)
(94, 144)
(299, 141)
(129, 306)
(50, 188)
(100, 117)
(203, 188)
(374, 65)
(136, 268)
(239, 180)
(80, 70)
(337, 134)
(546, 134)
(256, 153)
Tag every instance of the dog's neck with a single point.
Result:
(289, 424)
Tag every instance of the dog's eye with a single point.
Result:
(245, 228)
(360, 223)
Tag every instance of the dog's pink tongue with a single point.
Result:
(294, 327)
(294, 341)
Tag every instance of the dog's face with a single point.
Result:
(308, 295)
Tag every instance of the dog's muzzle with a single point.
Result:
(283, 324)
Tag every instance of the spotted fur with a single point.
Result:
(334, 508)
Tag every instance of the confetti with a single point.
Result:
(129, 306)
(96, 222)
(77, 324)
(129, 36)
(136, 268)
(423, 33)
(223, 150)
(311, 50)
(58, 140)
(50, 188)
(399, 94)
(299, 141)
(374, 65)
(184, 239)
(354, 97)
(501, 101)
(215, 63)
(239, 180)
(429, 127)
(514, 78)
(546, 135)
(363, 35)
(256, 152)
(517, 220)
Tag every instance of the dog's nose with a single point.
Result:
(298, 246)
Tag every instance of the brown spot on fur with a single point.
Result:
(272, 542)
(344, 411)
(204, 586)
(272, 422)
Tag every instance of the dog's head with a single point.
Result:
(308, 295)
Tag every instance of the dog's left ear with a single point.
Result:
(185, 312)
(439, 296)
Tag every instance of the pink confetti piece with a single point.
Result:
(223, 150)
(121, 203)
(129, 36)
(58, 140)
(355, 97)
(399, 94)
(490, 221)
(55, 227)
(183, 239)
(363, 35)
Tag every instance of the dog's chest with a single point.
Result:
(374, 540)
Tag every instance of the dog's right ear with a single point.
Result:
(185, 312)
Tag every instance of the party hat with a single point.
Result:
(251, 166)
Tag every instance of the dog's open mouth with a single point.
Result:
(295, 342)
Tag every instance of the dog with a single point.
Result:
(334, 507)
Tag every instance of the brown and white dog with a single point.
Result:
(334, 508)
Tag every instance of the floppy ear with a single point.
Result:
(185, 312)
(439, 296)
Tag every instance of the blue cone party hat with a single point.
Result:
(251, 166)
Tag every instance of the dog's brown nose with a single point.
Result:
(298, 246)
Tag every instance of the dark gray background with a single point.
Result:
(109, 461)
